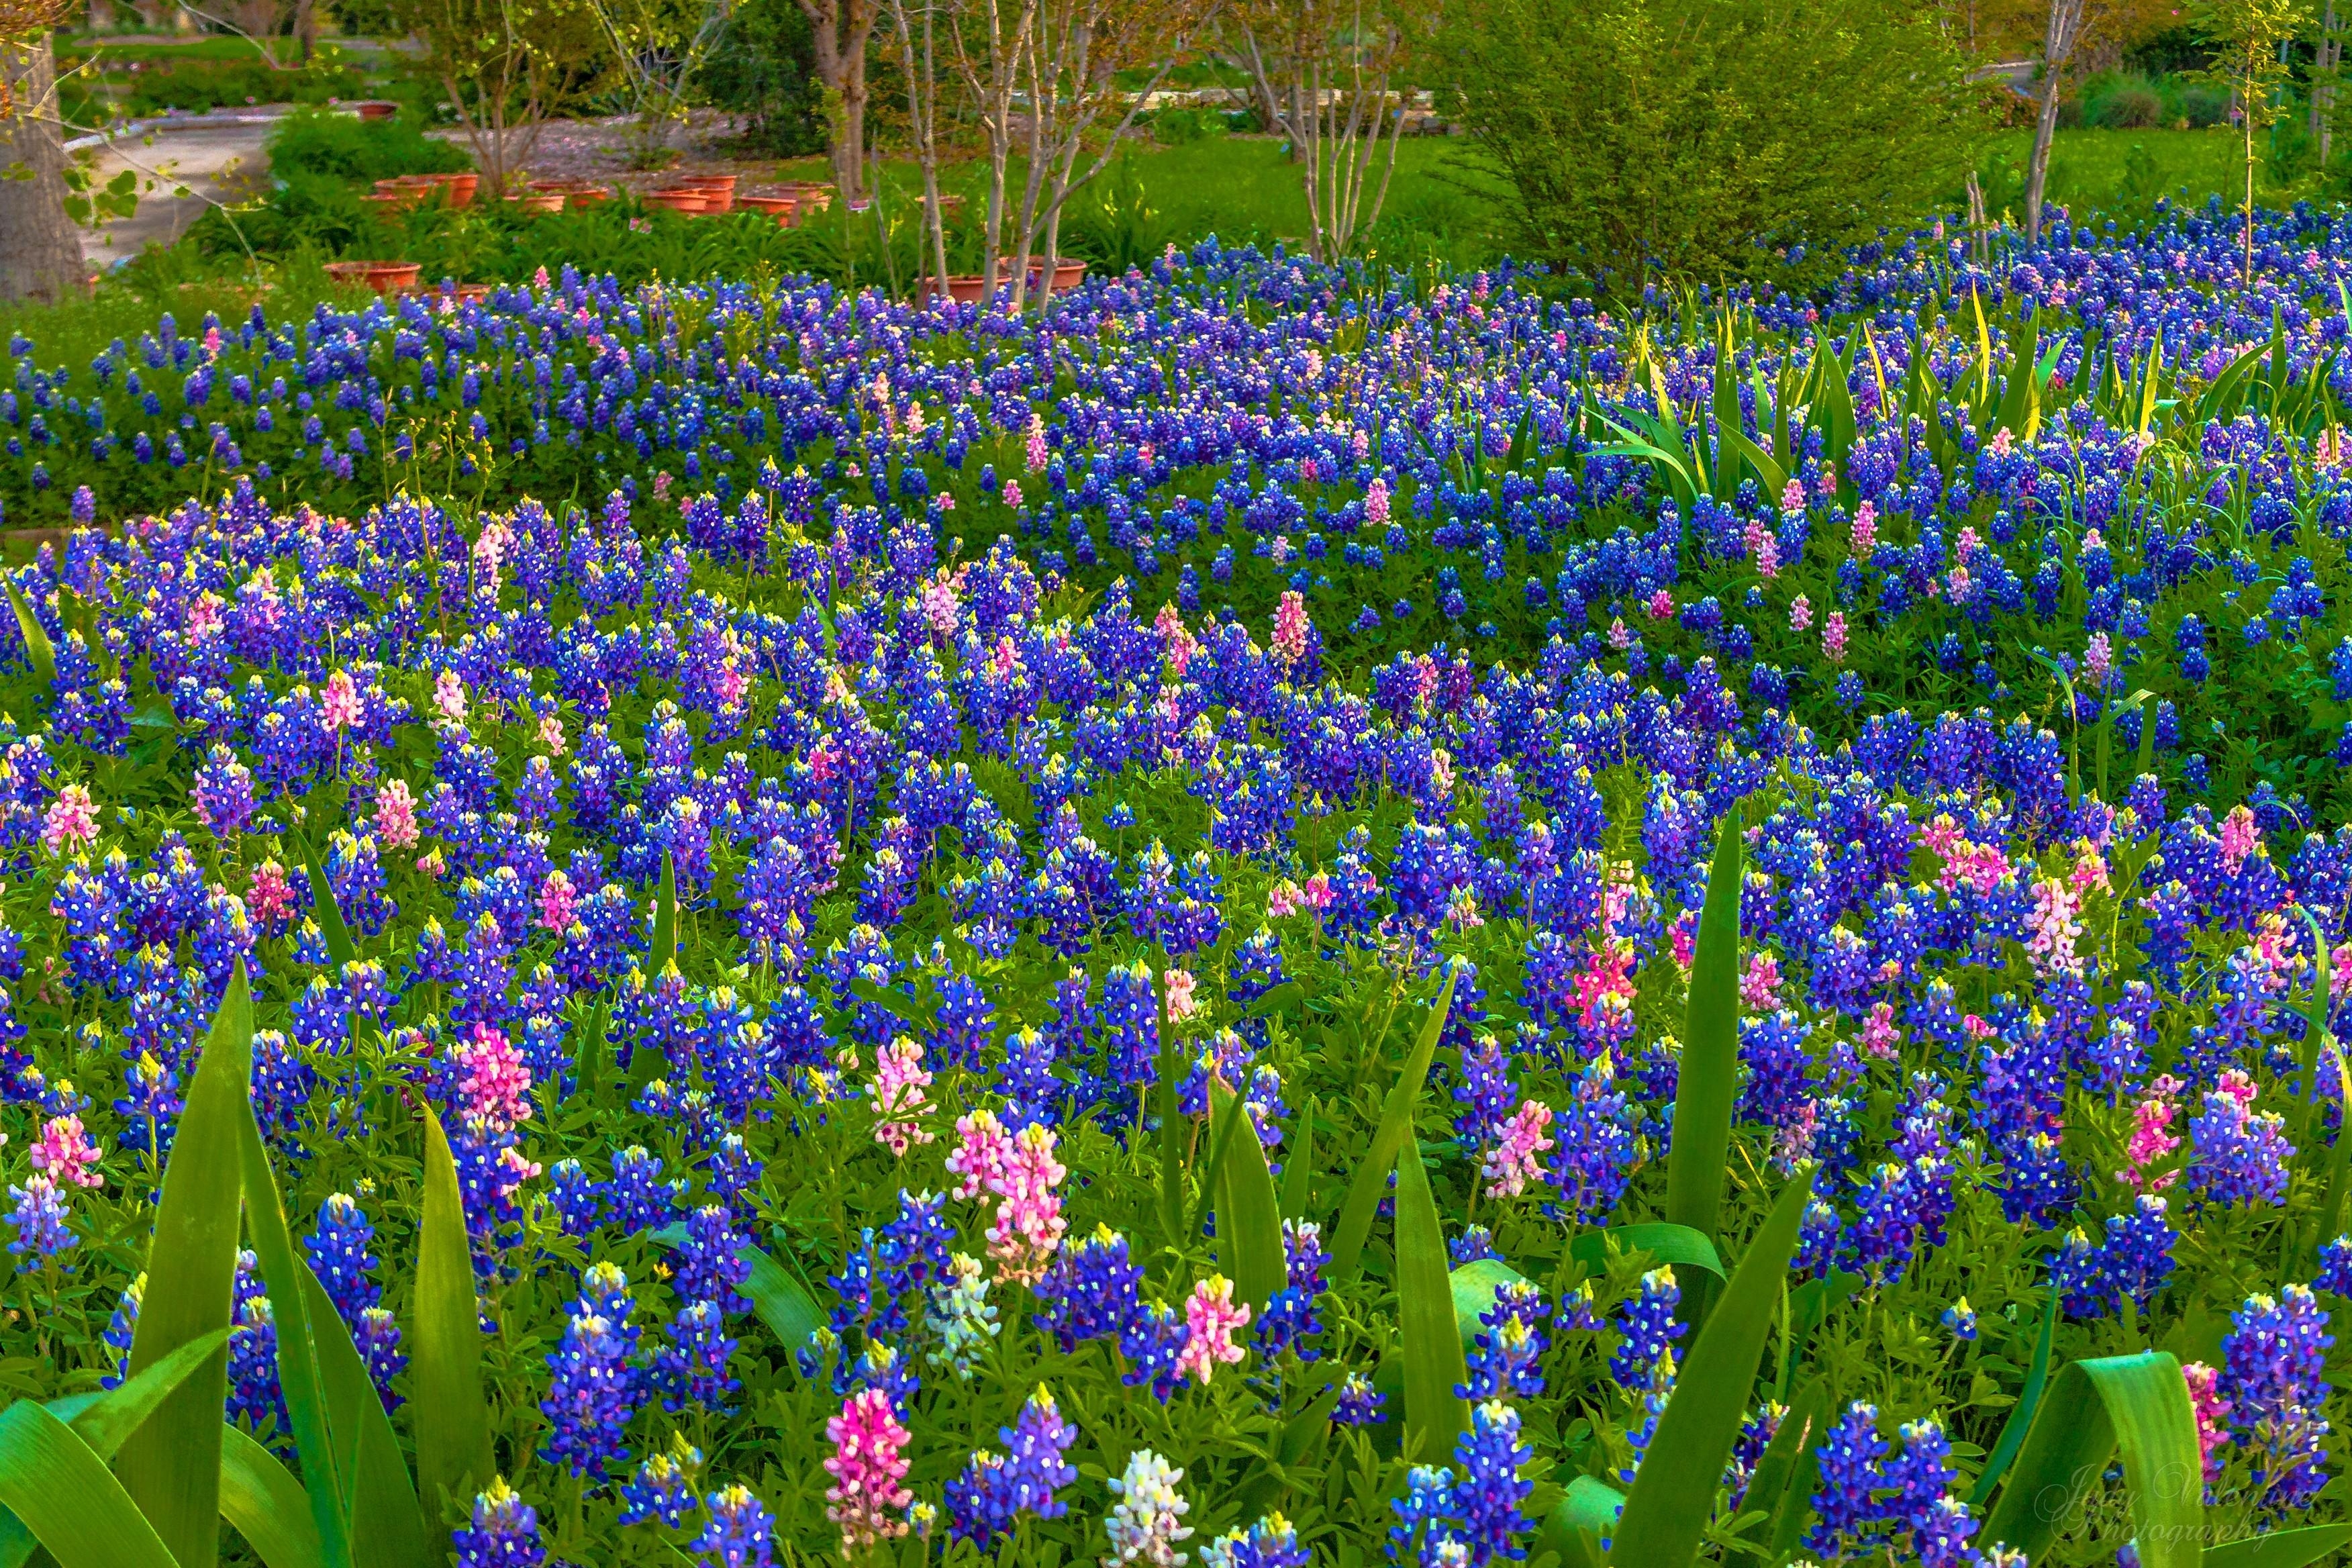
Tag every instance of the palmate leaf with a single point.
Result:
(69, 1499)
(1249, 1219)
(1672, 1498)
(171, 1466)
(1371, 1178)
(1708, 1080)
(2137, 1403)
(1434, 1415)
(452, 1418)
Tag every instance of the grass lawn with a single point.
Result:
(2121, 173)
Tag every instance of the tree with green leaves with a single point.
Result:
(1709, 138)
(2249, 39)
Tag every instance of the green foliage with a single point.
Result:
(321, 145)
(1708, 139)
(2134, 1403)
(763, 68)
(1708, 1082)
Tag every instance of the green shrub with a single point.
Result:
(1178, 127)
(326, 145)
(765, 69)
(1708, 139)
(2114, 102)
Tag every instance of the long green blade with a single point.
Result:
(778, 1300)
(1299, 1170)
(1249, 1220)
(1434, 1415)
(2281, 1548)
(171, 1466)
(665, 953)
(2020, 1415)
(264, 1503)
(452, 1420)
(1474, 1288)
(388, 1528)
(2136, 1403)
(104, 1421)
(1783, 1471)
(1674, 1494)
(298, 1354)
(38, 651)
(329, 916)
(68, 1498)
(1171, 1141)
(1707, 1083)
(1371, 1181)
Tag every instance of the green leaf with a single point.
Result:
(1222, 1118)
(297, 1358)
(69, 1499)
(1298, 1171)
(665, 953)
(1249, 1220)
(1371, 1183)
(1766, 471)
(105, 1421)
(2020, 402)
(1474, 1288)
(778, 1300)
(1585, 1518)
(1173, 1126)
(171, 1466)
(2020, 1415)
(38, 651)
(1434, 1415)
(329, 916)
(388, 1528)
(1708, 1081)
(1678, 1245)
(1674, 1496)
(265, 1504)
(452, 1419)
(1781, 1486)
(2281, 1548)
(2136, 1403)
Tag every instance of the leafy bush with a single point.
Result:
(338, 146)
(764, 69)
(2123, 103)
(1707, 137)
(151, 83)
(1176, 127)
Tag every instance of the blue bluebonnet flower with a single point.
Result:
(595, 1390)
(740, 1533)
(663, 1486)
(504, 1533)
(39, 1220)
(995, 1489)
(338, 1248)
(2273, 1373)
(1646, 1324)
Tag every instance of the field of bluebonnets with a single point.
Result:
(1286, 915)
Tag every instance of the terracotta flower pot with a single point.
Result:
(587, 195)
(376, 109)
(1068, 275)
(459, 188)
(725, 182)
(393, 277)
(715, 198)
(537, 202)
(386, 203)
(777, 208)
(349, 272)
(688, 202)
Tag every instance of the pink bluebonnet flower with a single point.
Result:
(395, 815)
(66, 1153)
(1517, 1160)
(1290, 628)
(339, 702)
(71, 820)
(867, 1500)
(900, 1093)
(1211, 1315)
(1029, 1222)
(493, 1082)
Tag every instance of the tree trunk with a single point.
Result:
(306, 27)
(2046, 130)
(40, 253)
(841, 29)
